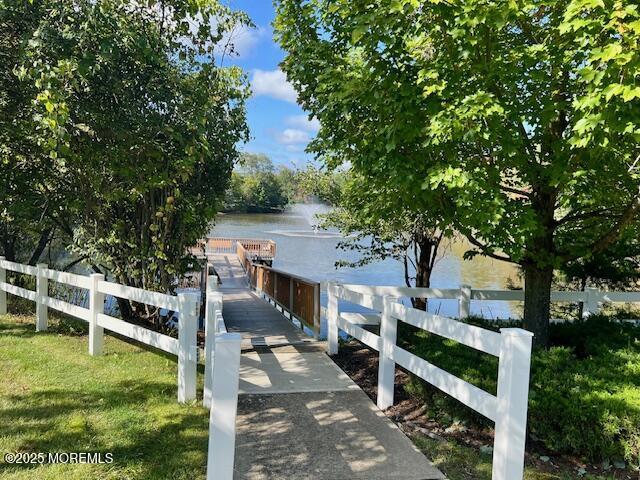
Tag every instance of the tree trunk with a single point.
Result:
(583, 286)
(45, 236)
(426, 255)
(423, 270)
(537, 302)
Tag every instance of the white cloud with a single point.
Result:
(302, 122)
(242, 39)
(273, 83)
(292, 136)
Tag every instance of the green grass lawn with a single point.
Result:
(54, 397)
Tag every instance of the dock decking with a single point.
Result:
(299, 415)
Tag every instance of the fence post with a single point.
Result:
(511, 414)
(222, 418)
(214, 305)
(3, 294)
(214, 282)
(464, 302)
(316, 311)
(332, 318)
(96, 306)
(42, 291)
(275, 290)
(291, 294)
(386, 366)
(188, 350)
(592, 305)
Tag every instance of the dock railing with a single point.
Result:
(222, 349)
(263, 248)
(296, 296)
(512, 346)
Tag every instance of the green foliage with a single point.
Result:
(517, 121)
(255, 187)
(321, 185)
(258, 186)
(584, 397)
(377, 225)
(137, 124)
(617, 267)
(21, 161)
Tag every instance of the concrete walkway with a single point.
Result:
(299, 415)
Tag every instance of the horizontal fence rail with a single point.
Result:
(297, 296)
(591, 298)
(185, 347)
(139, 295)
(222, 349)
(140, 334)
(512, 346)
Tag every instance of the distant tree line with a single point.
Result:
(258, 186)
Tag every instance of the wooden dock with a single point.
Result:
(299, 415)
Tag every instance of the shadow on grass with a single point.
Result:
(148, 434)
(22, 330)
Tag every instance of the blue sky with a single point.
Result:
(279, 127)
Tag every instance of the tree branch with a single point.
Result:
(570, 217)
(485, 249)
(613, 234)
(74, 263)
(515, 191)
(45, 236)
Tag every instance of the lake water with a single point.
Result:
(311, 254)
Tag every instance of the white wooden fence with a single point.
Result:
(512, 346)
(222, 349)
(591, 298)
(221, 381)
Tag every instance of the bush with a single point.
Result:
(585, 390)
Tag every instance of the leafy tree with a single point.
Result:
(616, 268)
(28, 196)
(322, 185)
(394, 231)
(139, 123)
(289, 183)
(518, 121)
(255, 163)
(255, 188)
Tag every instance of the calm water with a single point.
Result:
(304, 252)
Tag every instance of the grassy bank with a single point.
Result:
(54, 397)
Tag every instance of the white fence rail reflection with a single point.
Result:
(512, 346)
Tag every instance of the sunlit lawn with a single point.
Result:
(54, 397)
